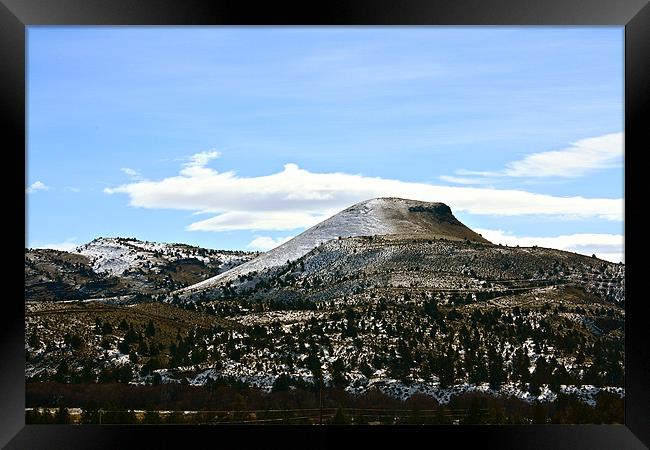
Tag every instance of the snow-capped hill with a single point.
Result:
(117, 255)
(379, 216)
(114, 267)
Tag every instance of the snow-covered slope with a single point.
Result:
(115, 267)
(117, 255)
(379, 216)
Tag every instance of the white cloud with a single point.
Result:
(132, 173)
(582, 157)
(460, 180)
(251, 220)
(265, 243)
(196, 166)
(296, 198)
(203, 158)
(72, 189)
(37, 186)
(605, 246)
(67, 245)
(579, 159)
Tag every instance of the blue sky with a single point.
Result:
(241, 137)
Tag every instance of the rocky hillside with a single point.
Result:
(390, 296)
(110, 267)
(442, 260)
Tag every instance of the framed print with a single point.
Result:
(354, 220)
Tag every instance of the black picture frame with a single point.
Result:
(16, 15)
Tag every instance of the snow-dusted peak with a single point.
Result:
(109, 255)
(377, 216)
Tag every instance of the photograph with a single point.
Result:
(326, 225)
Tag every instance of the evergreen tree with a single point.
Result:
(124, 374)
(133, 357)
(614, 374)
(124, 346)
(446, 370)
(123, 326)
(131, 336)
(480, 369)
(495, 368)
(521, 366)
(107, 328)
(98, 326)
(87, 374)
(534, 386)
(34, 342)
(281, 383)
(338, 373)
(431, 308)
(62, 372)
(151, 329)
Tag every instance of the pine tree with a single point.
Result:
(107, 328)
(62, 372)
(481, 370)
(124, 374)
(124, 347)
(446, 369)
(521, 365)
(431, 308)
(34, 342)
(495, 368)
(338, 373)
(281, 383)
(313, 363)
(87, 373)
(98, 326)
(151, 329)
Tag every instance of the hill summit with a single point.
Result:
(378, 216)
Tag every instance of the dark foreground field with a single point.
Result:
(51, 402)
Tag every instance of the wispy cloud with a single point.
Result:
(257, 221)
(295, 198)
(460, 180)
(578, 159)
(72, 189)
(37, 186)
(196, 166)
(132, 173)
(605, 246)
(265, 243)
(203, 158)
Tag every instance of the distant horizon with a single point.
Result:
(241, 138)
(262, 251)
(259, 251)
